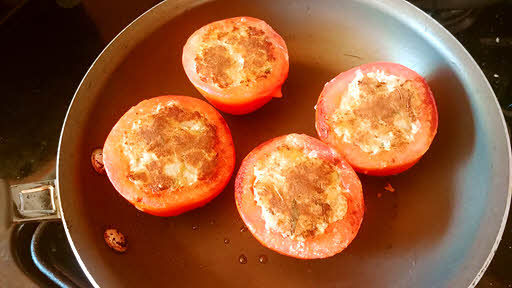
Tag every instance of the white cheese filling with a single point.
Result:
(376, 140)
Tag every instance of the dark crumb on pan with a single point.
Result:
(97, 161)
(389, 188)
(115, 240)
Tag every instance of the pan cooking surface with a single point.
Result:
(436, 230)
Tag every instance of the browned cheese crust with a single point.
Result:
(237, 56)
(300, 195)
(170, 149)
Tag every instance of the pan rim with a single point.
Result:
(417, 16)
(65, 225)
(386, 5)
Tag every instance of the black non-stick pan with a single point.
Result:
(440, 227)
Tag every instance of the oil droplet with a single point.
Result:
(243, 229)
(242, 259)
(226, 241)
(263, 259)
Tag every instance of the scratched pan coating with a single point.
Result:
(438, 229)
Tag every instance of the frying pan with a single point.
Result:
(440, 227)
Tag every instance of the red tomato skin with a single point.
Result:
(240, 108)
(116, 164)
(337, 236)
(235, 100)
(324, 108)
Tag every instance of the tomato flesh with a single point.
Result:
(381, 117)
(238, 64)
(334, 236)
(169, 154)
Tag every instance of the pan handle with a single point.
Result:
(35, 202)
